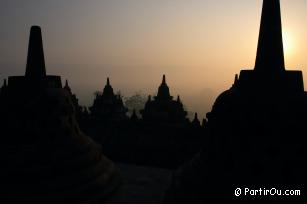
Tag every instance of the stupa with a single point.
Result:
(255, 131)
(45, 158)
(108, 107)
(79, 110)
(163, 108)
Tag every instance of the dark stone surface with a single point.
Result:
(141, 185)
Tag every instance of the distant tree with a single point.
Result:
(97, 93)
(136, 101)
(119, 93)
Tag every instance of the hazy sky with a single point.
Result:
(199, 44)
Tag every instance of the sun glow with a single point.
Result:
(289, 44)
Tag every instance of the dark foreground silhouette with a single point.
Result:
(256, 129)
(254, 136)
(45, 158)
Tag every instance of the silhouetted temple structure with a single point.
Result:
(79, 110)
(108, 106)
(45, 158)
(195, 121)
(256, 129)
(164, 137)
(163, 109)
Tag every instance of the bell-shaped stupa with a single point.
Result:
(45, 158)
(255, 132)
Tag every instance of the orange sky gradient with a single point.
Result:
(199, 45)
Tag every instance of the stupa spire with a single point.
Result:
(35, 61)
(195, 116)
(270, 54)
(108, 90)
(163, 91)
(178, 99)
(67, 86)
(196, 121)
(164, 79)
